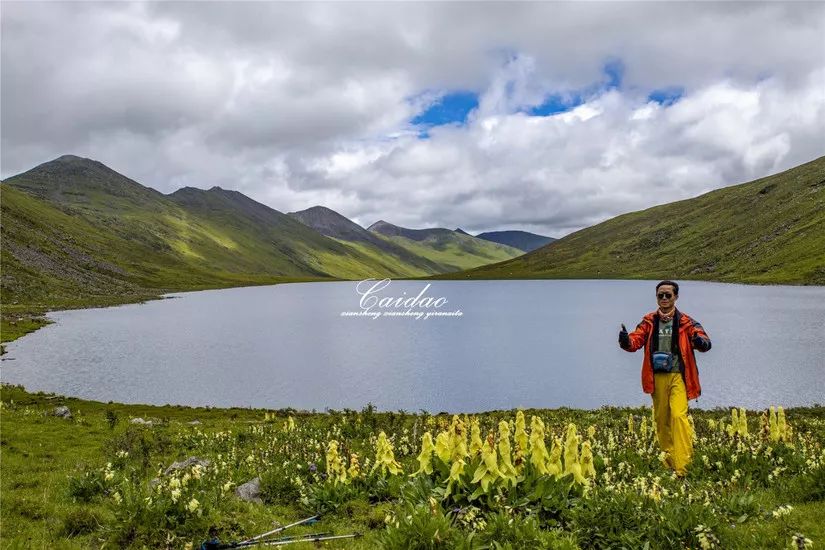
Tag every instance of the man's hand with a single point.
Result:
(702, 344)
(624, 339)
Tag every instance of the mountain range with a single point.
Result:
(75, 231)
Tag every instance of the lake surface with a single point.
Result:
(516, 344)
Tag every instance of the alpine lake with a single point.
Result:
(454, 346)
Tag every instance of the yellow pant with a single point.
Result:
(670, 409)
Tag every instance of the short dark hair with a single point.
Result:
(675, 286)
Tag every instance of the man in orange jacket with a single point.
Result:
(669, 371)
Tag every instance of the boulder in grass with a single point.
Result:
(62, 411)
(194, 423)
(141, 422)
(188, 463)
(250, 491)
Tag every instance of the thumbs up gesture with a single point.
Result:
(624, 338)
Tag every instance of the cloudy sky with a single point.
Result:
(546, 117)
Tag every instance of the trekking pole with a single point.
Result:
(278, 530)
(307, 539)
(308, 536)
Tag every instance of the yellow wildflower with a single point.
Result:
(743, 423)
(538, 451)
(774, 426)
(506, 468)
(194, 506)
(630, 427)
(442, 447)
(335, 465)
(587, 467)
(456, 470)
(520, 435)
(571, 455)
(458, 440)
(354, 470)
(554, 467)
(385, 457)
(782, 425)
(425, 458)
(487, 472)
(475, 438)
(733, 429)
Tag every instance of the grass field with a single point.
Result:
(493, 480)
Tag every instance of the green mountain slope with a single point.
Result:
(397, 260)
(53, 257)
(77, 232)
(771, 230)
(454, 250)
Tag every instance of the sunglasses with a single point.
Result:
(667, 295)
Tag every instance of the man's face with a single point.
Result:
(666, 297)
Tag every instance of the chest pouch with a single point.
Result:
(662, 361)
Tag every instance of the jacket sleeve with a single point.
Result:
(638, 337)
(698, 337)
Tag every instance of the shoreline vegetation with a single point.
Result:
(87, 474)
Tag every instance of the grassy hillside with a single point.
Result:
(771, 230)
(395, 260)
(75, 232)
(453, 250)
(56, 258)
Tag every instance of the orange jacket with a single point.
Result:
(687, 332)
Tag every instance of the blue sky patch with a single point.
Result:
(553, 104)
(452, 108)
(666, 96)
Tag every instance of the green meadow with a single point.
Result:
(559, 479)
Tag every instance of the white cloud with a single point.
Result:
(301, 104)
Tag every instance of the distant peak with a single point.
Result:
(74, 159)
(378, 224)
(68, 158)
(317, 209)
(459, 230)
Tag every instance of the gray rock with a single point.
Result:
(194, 423)
(141, 421)
(63, 412)
(188, 463)
(250, 491)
